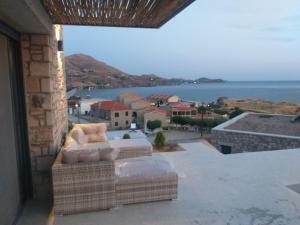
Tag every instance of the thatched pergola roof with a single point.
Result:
(121, 13)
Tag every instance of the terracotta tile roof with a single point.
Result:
(180, 104)
(154, 109)
(111, 105)
(159, 97)
(140, 104)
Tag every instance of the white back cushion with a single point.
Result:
(79, 136)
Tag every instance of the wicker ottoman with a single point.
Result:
(144, 179)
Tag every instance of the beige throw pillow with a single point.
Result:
(79, 136)
(92, 138)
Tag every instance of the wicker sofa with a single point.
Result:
(96, 182)
(90, 186)
(85, 140)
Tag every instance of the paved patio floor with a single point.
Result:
(214, 189)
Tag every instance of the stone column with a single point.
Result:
(45, 91)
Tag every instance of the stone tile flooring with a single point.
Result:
(214, 189)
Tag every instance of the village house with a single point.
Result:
(162, 99)
(128, 97)
(137, 104)
(183, 109)
(118, 115)
(157, 114)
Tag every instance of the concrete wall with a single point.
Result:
(251, 142)
(45, 87)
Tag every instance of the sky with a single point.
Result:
(233, 39)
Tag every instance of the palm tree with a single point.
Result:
(202, 109)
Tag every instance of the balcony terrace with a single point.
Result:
(251, 188)
(248, 188)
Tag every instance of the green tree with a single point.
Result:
(221, 111)
(153, 124)
(237, 111)
(159, 140)
(180, 120)
(126, 136)
(202, 110)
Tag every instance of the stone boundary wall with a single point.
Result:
(251, 142)
(46, 105)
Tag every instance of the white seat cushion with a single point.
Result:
(129, 144)
(89, 156)
(143, 169)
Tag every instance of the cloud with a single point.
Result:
(273, 29)
(276, 39)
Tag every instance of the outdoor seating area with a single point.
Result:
(94, 173)
(216, 189)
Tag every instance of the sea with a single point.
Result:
(288, 91)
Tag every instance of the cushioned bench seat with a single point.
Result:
(132, 147)
(144, 179)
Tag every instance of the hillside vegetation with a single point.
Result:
(258, 105)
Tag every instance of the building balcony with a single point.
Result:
(248, 188)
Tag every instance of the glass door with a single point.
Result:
(15, 172)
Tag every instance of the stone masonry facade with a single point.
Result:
(251, 142)
(45, 91)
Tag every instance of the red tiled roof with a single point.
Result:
(154, 109)
(111, 105)
(180, 104)
(159, 97)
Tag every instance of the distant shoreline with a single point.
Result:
(276, 91)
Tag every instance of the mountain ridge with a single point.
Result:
(83, 71)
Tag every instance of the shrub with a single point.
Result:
(221, 111)
(237, 111)
(159, 140)
(152, 125)
(126, 136)
(179, 120)
(204, 123)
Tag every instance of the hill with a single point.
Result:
(85, 71)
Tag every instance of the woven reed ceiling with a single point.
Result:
(122, 13)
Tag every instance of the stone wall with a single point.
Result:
(45, 87)
(250, 142)
(121, 119)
